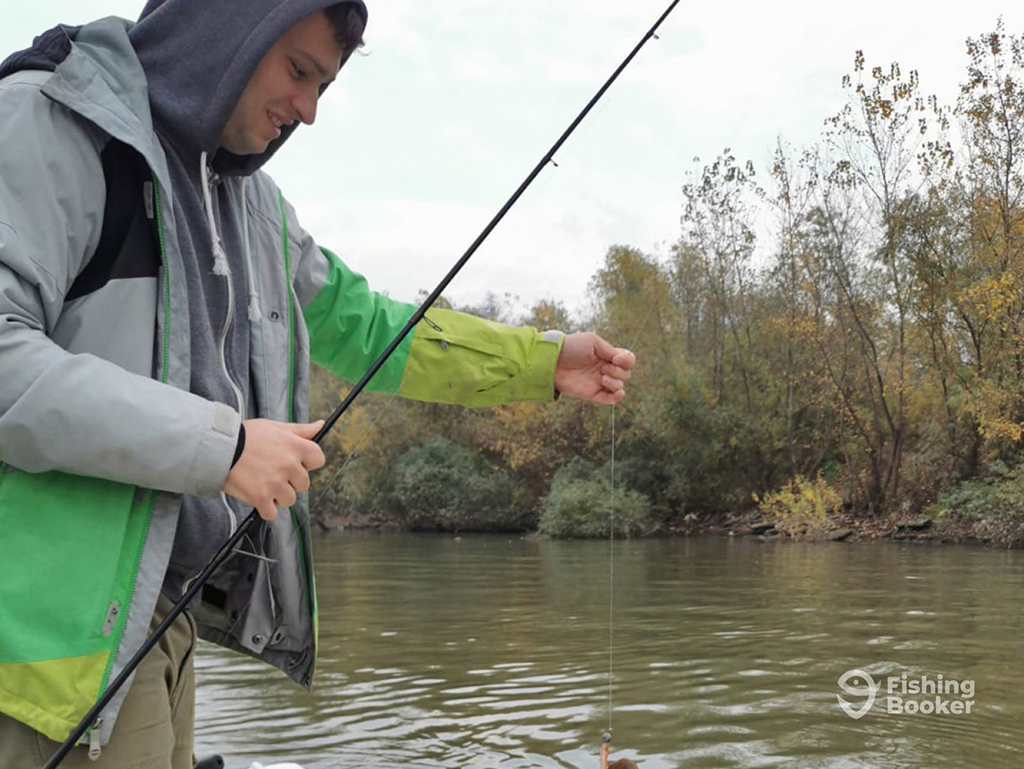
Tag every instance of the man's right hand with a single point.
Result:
(275, 464)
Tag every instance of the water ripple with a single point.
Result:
(494, 653)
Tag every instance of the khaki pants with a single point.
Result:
(154, 729)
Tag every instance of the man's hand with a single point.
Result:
(591, 369)
(275, 464)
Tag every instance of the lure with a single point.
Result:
(606, 748)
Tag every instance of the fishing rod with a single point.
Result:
(228, 547)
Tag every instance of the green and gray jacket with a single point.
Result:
(100, 436)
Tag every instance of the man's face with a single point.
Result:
(285, 86)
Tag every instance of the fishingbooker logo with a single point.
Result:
(868, 689)
(904, 694)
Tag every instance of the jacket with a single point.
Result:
(99, 434)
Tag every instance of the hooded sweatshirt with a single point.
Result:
(198, 56)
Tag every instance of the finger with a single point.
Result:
(617, 372)
(299, 481)
(312, 456)
(603, 350)
(289, 498)
(624, 358)
(266, 510)
(606, 398)
(611, 384)
(285, 497)
(308, 430)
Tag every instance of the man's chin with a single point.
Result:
(255, 149)
(252, 146)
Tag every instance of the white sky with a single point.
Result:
(420, 142)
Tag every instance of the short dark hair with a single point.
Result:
(348, 25)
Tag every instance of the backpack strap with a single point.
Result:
(46, 52)
(129, 245)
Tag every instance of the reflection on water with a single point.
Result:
(493, 651)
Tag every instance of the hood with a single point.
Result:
(198, 56)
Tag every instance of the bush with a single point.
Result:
(581, 504)
(987, 508)
(576, 469)
(802, 506)
(444, 486)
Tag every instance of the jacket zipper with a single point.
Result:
(222, 352)
(307, 566)
(94, 740)
(165, 372)
(228, 321)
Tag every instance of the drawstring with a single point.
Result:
(220, 259)
(254, 297)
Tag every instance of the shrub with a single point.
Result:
(581, 504)
(444, 486)
(802, 506)
(986, 508)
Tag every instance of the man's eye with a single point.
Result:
(297, 73)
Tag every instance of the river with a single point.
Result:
(493, 651)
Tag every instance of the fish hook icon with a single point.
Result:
(869, 690)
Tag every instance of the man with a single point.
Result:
(144, 404)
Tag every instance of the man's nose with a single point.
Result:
(305, 106)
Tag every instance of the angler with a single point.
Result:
(160, 304)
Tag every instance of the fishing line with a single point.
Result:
(90, 718)
(611, 547)
(611, 580)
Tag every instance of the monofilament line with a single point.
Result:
(611, 577)
(611, 542)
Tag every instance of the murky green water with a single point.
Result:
(494, 652)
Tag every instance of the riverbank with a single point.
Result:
(838, 529)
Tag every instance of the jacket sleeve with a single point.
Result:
(78, 413)
(451, 357)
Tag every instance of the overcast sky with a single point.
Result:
(424, 137)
